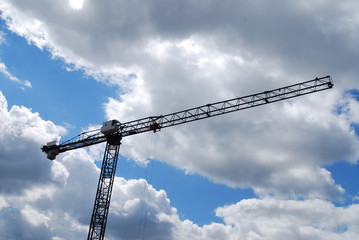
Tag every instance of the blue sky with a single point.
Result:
(67, 66)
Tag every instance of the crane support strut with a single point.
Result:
(104, 191)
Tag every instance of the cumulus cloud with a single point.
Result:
(271, 218)
(21, 134)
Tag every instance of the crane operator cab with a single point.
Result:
(110, 127)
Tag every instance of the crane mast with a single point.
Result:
(113, 131)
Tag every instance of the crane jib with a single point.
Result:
(155, 123)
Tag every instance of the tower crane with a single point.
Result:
(113, 131)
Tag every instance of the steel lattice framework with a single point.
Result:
(155, 123)
(104, 191)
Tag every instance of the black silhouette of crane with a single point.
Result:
(113, 131)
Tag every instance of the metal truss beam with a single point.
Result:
(104, 191)
(155, 123)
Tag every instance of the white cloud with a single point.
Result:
(271, 218)
(76, 4)
(25, 174)
(2, 37)
(33, 217)
(24, 84)
(22, 133)
(349, 108)
(3, 203)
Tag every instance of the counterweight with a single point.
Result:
(113, 131)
